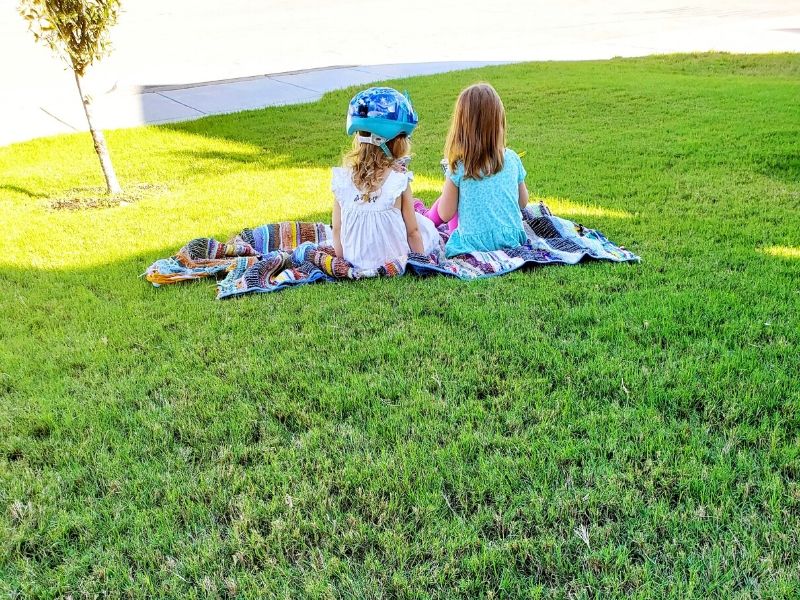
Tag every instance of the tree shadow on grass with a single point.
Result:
(21, 190)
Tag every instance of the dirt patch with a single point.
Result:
(88, 198)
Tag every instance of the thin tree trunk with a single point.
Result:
(99, 144)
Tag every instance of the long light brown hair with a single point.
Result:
(477, 135)
(369, 163)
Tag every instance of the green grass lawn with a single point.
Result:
(417, 437)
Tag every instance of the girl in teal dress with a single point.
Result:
(484, 190)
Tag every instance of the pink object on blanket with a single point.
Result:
(433, 214)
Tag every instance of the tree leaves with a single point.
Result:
(76, 30)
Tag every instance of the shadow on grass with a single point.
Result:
(273, 132)
(784, 168)
(259, 156)
(21, 190)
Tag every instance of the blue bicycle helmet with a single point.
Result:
(384, 113)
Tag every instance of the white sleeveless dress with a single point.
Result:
(373, 231)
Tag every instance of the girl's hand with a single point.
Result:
(337, 229)
(410, 220)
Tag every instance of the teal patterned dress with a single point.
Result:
(489, 217)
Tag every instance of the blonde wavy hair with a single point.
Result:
(477, 135)
(368, 162)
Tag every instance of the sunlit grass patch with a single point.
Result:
(430, 187)
(569, 209)
(782, 251)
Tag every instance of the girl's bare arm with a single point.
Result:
(448, 201)
(410, 219)
(337, 229)
(523, 196)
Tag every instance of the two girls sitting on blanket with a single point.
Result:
(375, 217)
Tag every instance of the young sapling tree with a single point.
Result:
(77, 31)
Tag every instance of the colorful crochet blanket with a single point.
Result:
(272, 257)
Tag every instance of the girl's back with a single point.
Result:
(485, 186)
(373, 231)
(488, 209)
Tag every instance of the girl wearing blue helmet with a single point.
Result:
(373, 213)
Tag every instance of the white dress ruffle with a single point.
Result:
(373, 231)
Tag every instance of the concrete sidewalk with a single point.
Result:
(188, 58)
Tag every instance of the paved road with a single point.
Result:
(163, 48)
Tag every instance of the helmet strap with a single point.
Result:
(376, 140)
